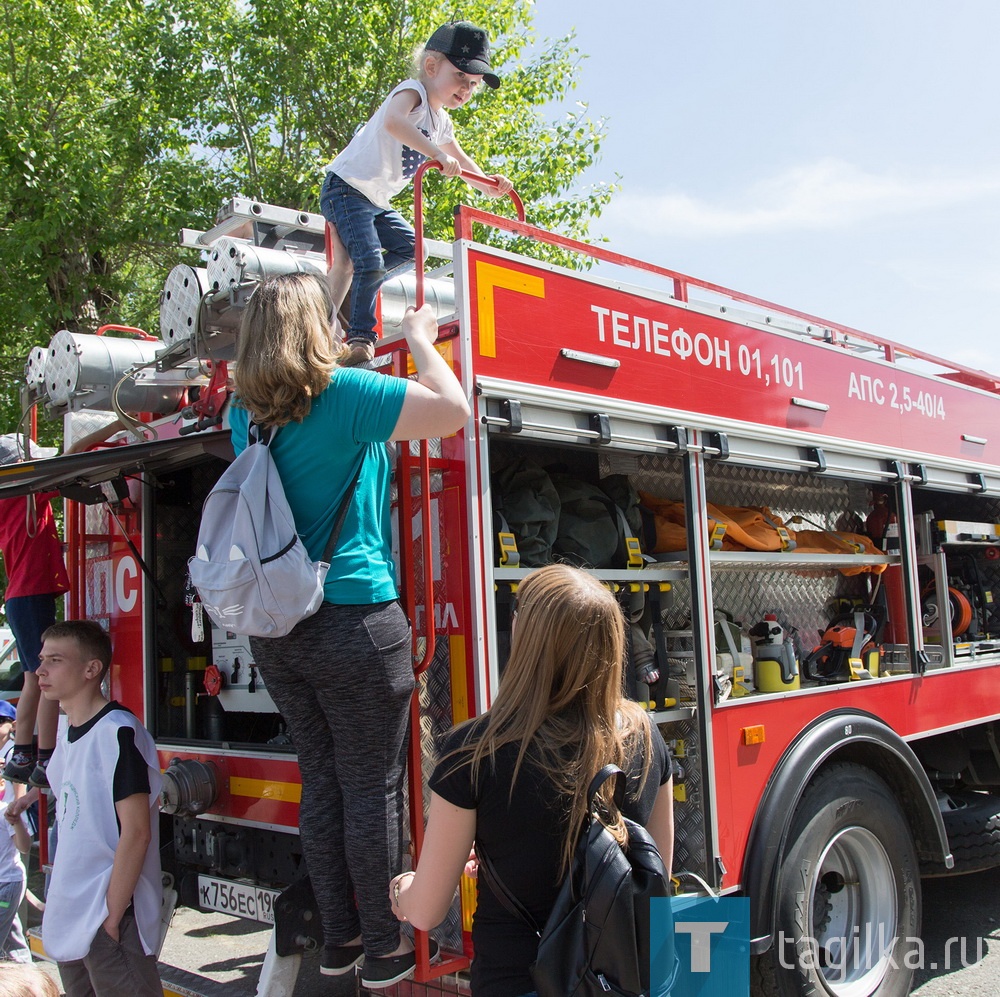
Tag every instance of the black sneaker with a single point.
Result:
(39, 777)
(21, 766)
(339, 959)
(389, 969)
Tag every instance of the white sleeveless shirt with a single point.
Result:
(81, 774)
(379, 165)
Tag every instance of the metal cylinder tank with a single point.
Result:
(180, 299)
(81, 371)
(34, 368)
(231, 262)
(400, 293)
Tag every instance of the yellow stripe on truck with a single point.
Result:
(265, 789)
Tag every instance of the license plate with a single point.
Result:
(252, 902)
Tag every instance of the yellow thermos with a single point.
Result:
(775, 668)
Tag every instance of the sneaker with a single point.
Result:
(339, 959)
(362, 352)
(389, 969)
(39, 778)
(21, 766)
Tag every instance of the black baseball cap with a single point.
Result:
(467, 47)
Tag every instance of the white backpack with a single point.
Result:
(251, 569)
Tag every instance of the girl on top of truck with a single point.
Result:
(411, 125)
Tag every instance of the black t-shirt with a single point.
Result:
(131, 771)
(522, 832)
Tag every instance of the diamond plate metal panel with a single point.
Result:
(435, 720)
(455, 985)
(804, 599)
(97, 600)
(690, 845)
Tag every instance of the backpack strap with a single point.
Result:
(600, 779)
(492, 877)
(342, 511)
(256, 433)
(514, 906)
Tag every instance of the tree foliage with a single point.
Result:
(125, 120)
(96, 171)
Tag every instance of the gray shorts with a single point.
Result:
(113, 969)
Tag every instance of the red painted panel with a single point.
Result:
(269, 804)
(127, 680)
(910, 706)
(683, 360)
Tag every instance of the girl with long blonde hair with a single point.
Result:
(514, 780)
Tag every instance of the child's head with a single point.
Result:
(20, 979)
(74, 653)
(8, 715)
(466, 47)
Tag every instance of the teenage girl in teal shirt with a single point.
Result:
(343, 678)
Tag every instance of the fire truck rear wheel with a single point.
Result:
(973, 828)
(848, 894)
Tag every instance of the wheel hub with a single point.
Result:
(854, 920)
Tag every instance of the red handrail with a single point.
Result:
(424, 971)
(430, 636)
(418, 213)
(425, 462)
(142, 334)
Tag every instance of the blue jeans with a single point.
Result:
(379, 242)
(28, 617)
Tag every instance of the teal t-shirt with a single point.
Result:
(317, 459)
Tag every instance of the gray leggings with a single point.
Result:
(342, 680)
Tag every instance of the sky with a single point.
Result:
(841, 158)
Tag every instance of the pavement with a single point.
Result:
(961, 937)
(960, 958)
(216, 955)
(210, 954)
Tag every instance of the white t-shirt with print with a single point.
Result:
(379, 165)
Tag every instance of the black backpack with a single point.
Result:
(596, 939)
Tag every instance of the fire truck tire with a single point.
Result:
(849, 863)
(973, 834)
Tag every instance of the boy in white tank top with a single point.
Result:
(102, 910)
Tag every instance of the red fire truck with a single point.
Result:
(807, 545)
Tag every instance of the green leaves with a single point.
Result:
(126, 120)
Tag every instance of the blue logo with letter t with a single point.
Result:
(700, 946)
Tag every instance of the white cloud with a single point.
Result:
(824, 195)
